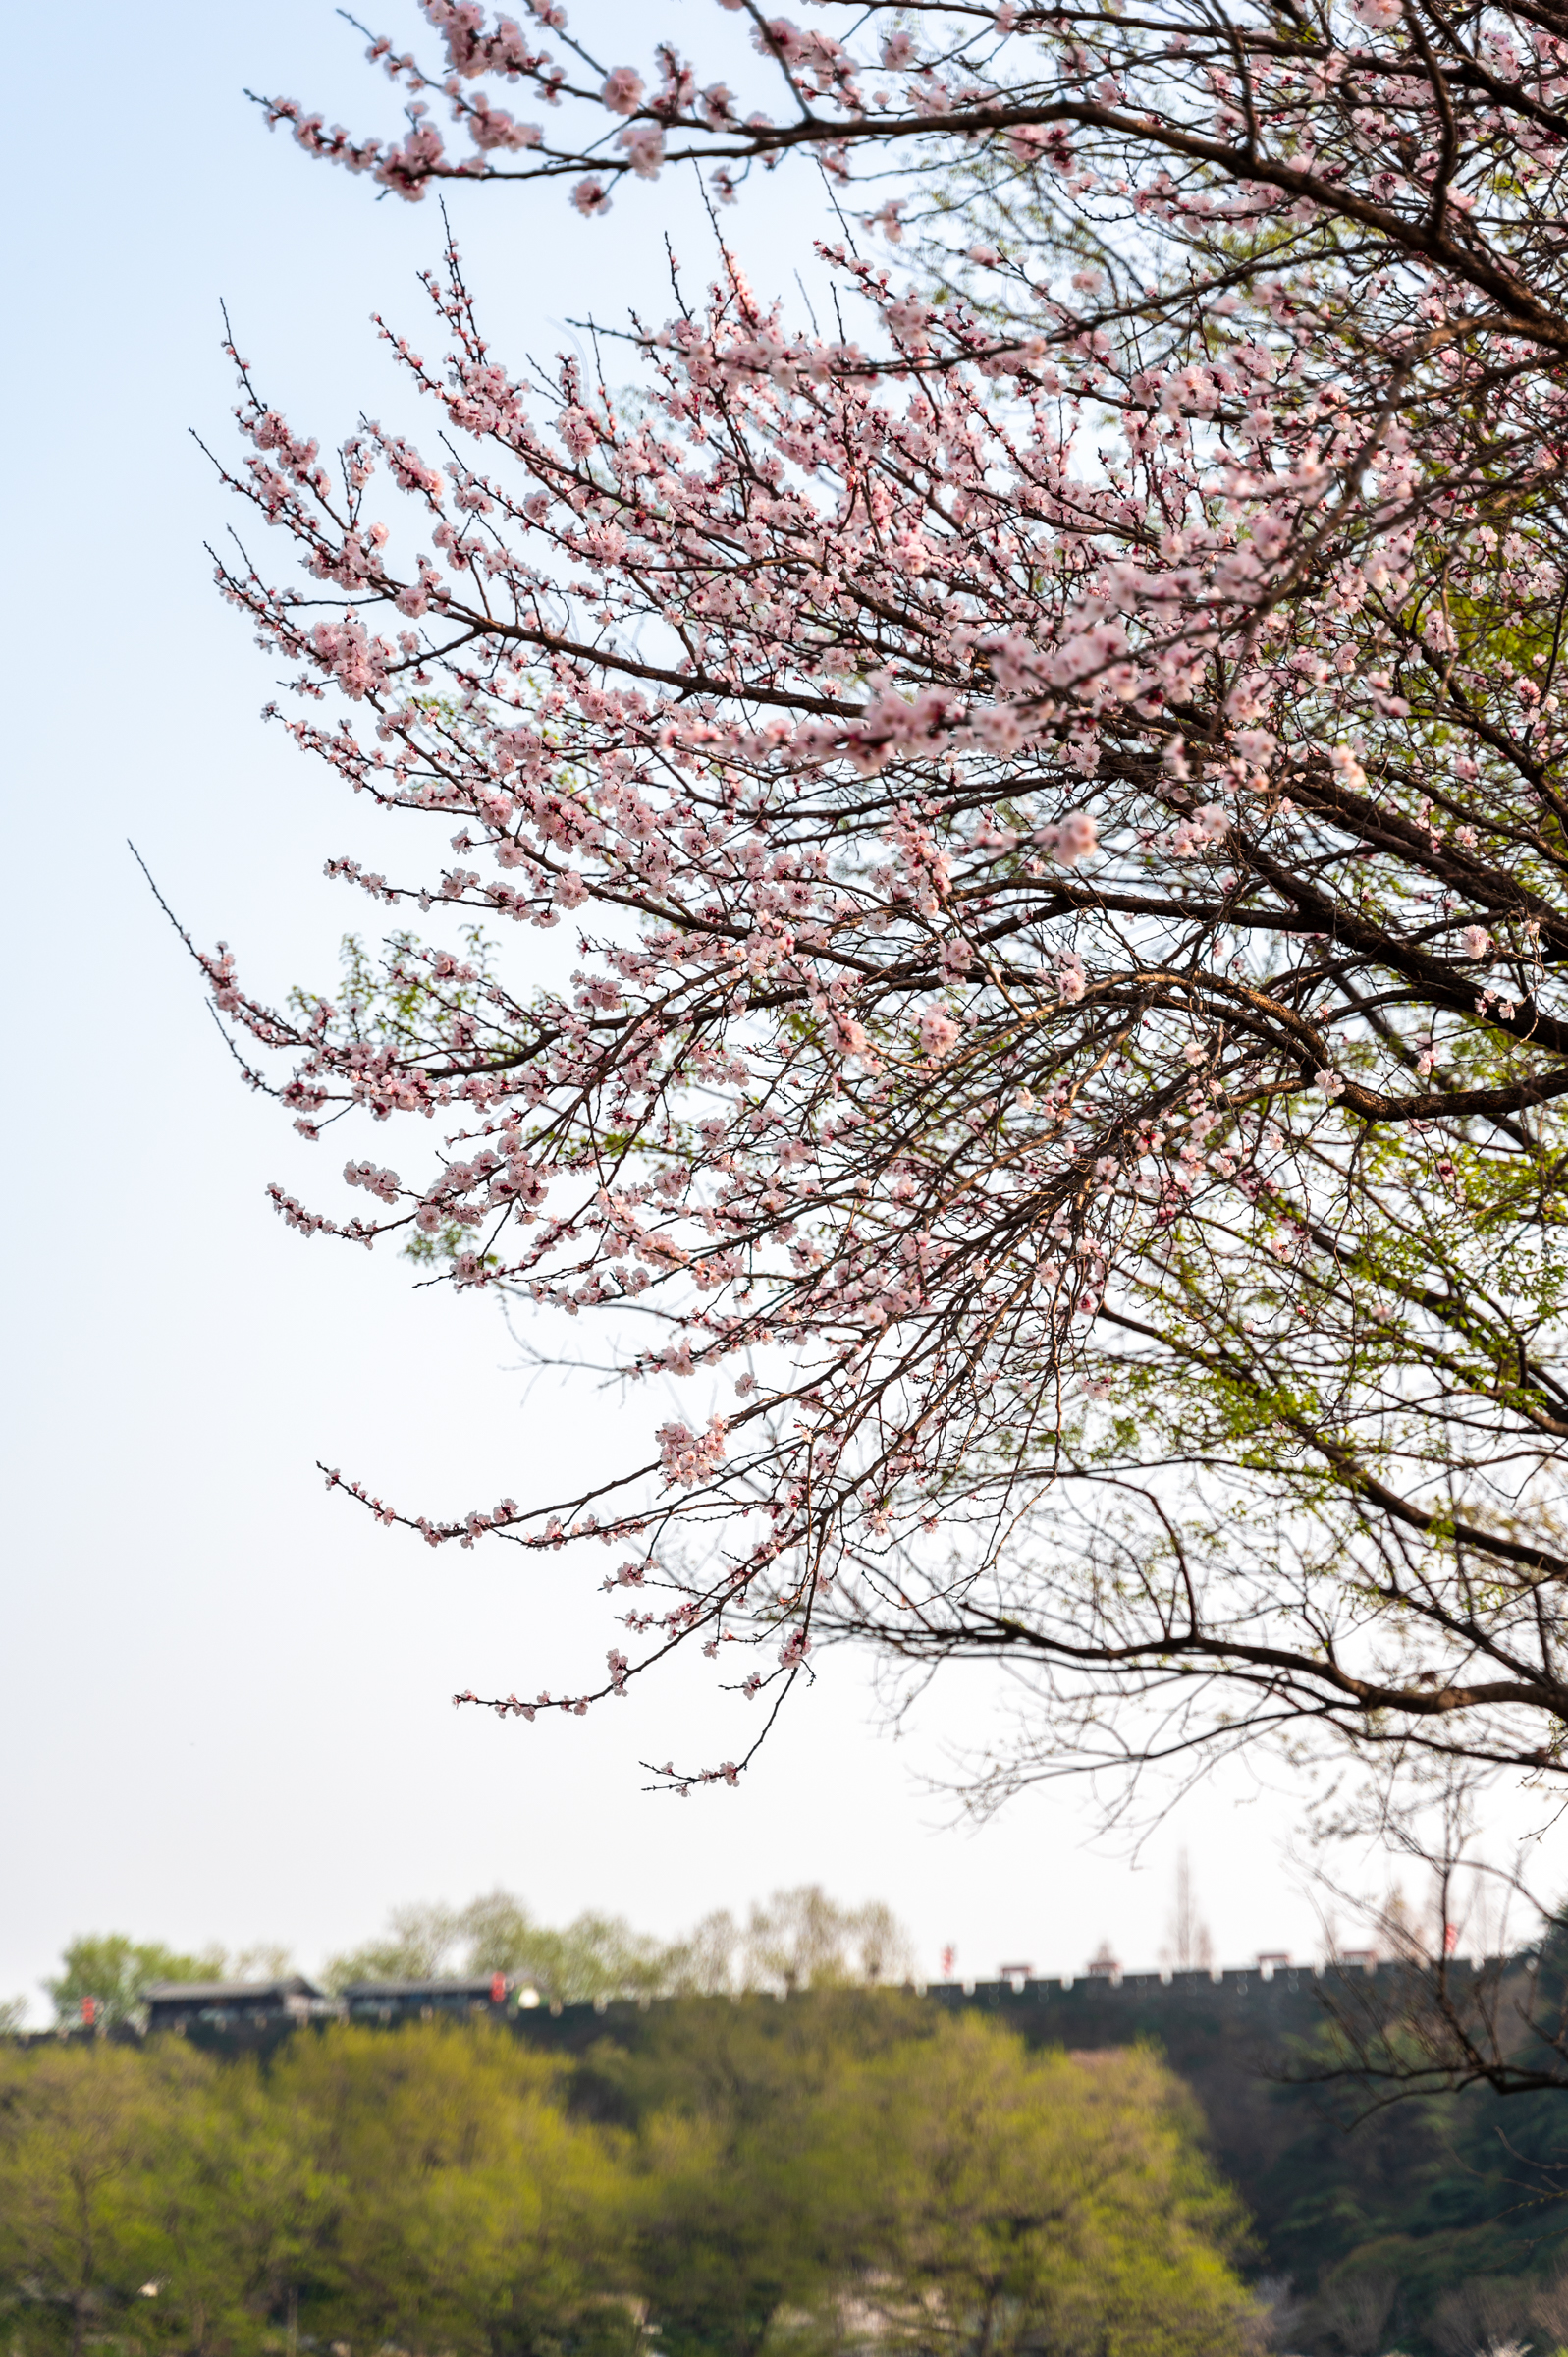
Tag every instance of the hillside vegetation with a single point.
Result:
(813, 2176)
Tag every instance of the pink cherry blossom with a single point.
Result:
(937, 1032)
(623, 90)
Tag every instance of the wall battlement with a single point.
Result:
(1181, 2010)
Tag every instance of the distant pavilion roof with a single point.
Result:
(479, 1985)
(228, 1992)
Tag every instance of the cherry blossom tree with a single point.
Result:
(1057, 801)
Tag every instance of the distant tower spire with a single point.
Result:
(1191, 1948)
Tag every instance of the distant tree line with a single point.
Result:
(845, 2173)
(799, 1938)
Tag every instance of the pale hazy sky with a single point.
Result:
(224, 1712)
